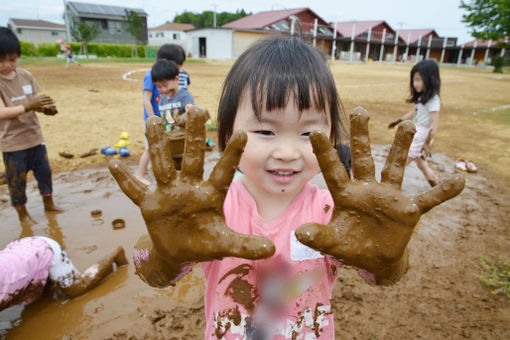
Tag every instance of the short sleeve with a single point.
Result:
(189, 99)
(434, 104)
(148, 85)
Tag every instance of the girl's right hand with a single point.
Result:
(394, 123)
(184, 215)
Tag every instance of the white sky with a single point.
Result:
(442, 15)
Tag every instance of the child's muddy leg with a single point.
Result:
(427, 171)
(42, 174)
(24, 216)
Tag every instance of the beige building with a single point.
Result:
(37, 31)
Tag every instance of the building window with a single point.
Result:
(18, 30)
(176, 36)
(150, 35)
(53, 33)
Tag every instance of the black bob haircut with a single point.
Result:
(271, 72)
(172, 52)
(164, 70)
(9, 43)
(429, 73)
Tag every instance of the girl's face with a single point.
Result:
(8, 64)
(418, 82)
(278, 157)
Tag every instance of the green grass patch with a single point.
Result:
(500, 117)
(56, 61)
(495, 274)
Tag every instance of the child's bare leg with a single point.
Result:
(24, 216)
(427, 171)
(95, 273)
(142, 168)
(49, 205)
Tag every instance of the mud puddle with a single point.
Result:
(122, 301)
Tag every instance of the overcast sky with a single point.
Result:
(442, 15)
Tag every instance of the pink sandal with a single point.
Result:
(470, 166)
(460, 164)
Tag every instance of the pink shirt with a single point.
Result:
(23, 271)
(284, 297)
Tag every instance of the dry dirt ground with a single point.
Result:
(439, 298)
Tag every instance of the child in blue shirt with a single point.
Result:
(174, 102)
(151, 97)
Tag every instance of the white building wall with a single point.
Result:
(40, 35)
(158, 38)
(218, 43)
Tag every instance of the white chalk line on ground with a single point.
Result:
(492, 109)
(126, 75)
(394, 83)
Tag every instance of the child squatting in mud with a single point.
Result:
(269, 242)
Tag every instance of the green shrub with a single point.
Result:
(27, 49)
(48, 49)
(498, 63)
(495, 274)
(100, 50)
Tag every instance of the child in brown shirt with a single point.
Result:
(21, 140)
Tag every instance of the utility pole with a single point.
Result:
(214, 14)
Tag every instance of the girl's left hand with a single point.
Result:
(372, 222)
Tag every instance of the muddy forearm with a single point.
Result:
(153, 269)
(393, 272)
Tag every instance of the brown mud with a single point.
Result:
(438, 298)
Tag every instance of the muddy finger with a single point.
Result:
(194, 147)
(225, 169)
(332, 169)
(362, 162)
(159, 148)
(317, 236)
(440, 193)
(127, 182)
(246, 246)
(393, 171)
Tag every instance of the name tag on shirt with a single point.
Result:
(27, 89)
(301, 252)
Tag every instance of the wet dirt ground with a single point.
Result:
(439, 298)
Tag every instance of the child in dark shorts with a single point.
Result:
(21, 140)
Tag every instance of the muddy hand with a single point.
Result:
(372, 222)
(37, 103)
(394, 123)
(184, 215)
(50, 110)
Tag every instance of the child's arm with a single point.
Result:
(147, 96)
(407, 116)
(95, 273)
(372, 222)
(35, 104)
(184, 215)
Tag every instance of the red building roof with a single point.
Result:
(412, 36)
(262, 20)
(483, 43)
(172, 26)
(345, 28)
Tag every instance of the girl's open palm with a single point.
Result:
(184, 215)
(371, 222)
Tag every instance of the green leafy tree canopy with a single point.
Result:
(488, 19)
(84, 32)
(206, 18)
(135, 26)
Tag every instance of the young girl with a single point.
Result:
(26, 264)
(425, 85)
(269, 242)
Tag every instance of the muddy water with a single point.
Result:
(122, 299)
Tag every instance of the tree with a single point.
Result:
(489, 19)
(135, 27)
(83, 32)
(206, 18)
